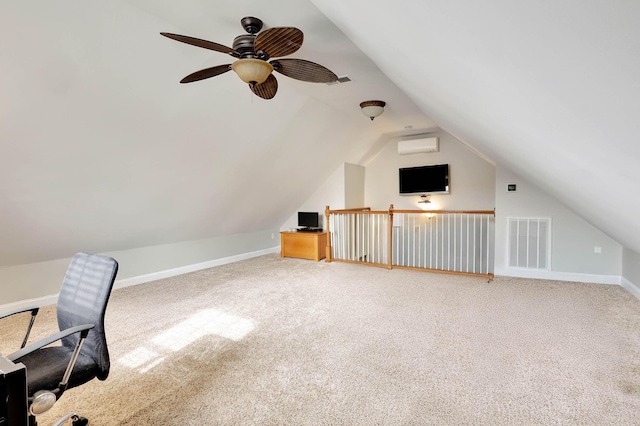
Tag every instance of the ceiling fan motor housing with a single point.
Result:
(244, 45)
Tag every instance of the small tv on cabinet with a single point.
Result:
(308, 220)
(424, 179)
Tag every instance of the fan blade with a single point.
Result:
(266, 89)
(279, 41)
(202, 43)
(304, 70)
(206, 73)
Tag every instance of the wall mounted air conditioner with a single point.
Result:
(417, 146)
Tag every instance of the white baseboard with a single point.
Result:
(631, 287)
(28, 303)
(126, 282)
(559, 276)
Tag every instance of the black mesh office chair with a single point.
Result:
(82, 354)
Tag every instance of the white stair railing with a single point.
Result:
(448, 241)
(360, 236)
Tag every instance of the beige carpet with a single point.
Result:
(272, 341)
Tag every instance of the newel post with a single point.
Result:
(327, 212)
(390, 239)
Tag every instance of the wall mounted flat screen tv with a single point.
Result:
(308, 219)
(425, 179)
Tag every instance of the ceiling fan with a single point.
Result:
(254, 51)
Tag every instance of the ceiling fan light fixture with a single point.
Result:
(372, 109)
(252, 52)
(251, 70)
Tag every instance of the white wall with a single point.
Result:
(631, 271)
(343, 189)
(631, 266)
(42, 280)
(471, 178)
(573, 239)
(146, 260)
(353, 186)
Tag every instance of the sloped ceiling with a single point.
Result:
(102, 148)
(548, 89)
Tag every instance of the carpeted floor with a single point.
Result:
(271, 341)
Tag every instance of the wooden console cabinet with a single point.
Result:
(304, 245)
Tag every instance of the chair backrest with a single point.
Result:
(83, 300)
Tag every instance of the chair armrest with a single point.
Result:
(84, 329)
(34, 311)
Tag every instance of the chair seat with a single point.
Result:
(46, 367)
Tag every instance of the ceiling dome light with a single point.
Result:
(252, 71)
(372, 109)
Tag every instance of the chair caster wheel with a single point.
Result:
(79, 421)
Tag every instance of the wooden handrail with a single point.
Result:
(361, 209)
(367, 210)
(491, 212)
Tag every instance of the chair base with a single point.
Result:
(75, 420)
(80, 421)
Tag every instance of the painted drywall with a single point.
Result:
(43, 279)
(31, 281)
(353, 186)
(471, 178)
(147, 260)
(343, 189)
(573, 239)
(631, 271)
(330, 193)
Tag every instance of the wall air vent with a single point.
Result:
(529, 243)
(340, 80)
(417, 146)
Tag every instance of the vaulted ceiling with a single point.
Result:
(549, 89)
(103, 149)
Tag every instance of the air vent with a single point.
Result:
(340, 80)
(529, 242)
